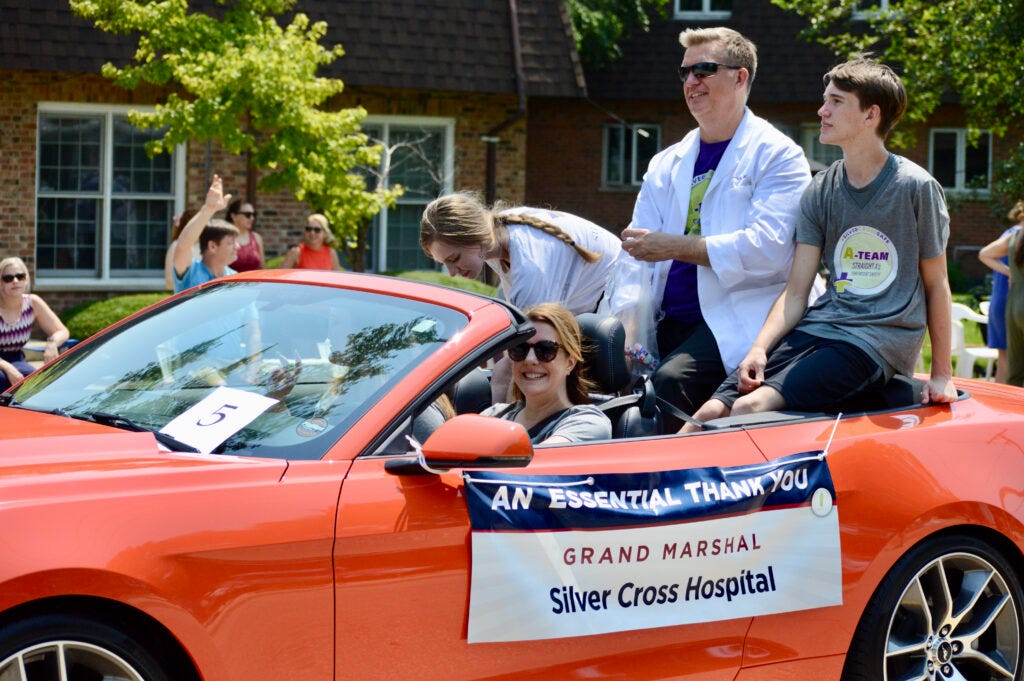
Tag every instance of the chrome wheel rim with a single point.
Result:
(955, 621)
(66, 661)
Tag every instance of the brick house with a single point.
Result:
(492, 91)
(90, 213)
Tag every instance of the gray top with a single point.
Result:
(872, 242)
(578, 423)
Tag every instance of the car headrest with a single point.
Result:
(472, 393)
(604, 351)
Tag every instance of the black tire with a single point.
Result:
(92, 651)
(949, 609)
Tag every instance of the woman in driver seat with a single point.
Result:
(549, 382)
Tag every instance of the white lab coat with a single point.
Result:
(748, 218)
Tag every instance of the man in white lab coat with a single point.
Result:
(716, 213)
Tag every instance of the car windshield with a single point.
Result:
(246, 368)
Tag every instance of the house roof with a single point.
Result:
(789, 69)
(456, 45)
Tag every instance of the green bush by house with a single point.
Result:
(86, 319)
(436, 277)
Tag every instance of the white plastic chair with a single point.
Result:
(967, 356)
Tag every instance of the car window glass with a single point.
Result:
(324, 355)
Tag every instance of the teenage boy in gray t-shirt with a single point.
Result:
(879, 225)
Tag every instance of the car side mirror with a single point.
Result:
(469, 441)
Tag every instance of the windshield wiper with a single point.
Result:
(127, 424)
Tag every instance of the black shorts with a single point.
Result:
(812, 373)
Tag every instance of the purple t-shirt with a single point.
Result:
(680, 301)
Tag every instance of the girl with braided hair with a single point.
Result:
(540, 256)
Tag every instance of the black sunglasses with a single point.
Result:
(20, 276)
(702, 69)
(247, 213)
(311, 228)
(544, 351)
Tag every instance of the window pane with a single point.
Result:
(66, 235)
(416, 162)
(976, 162)
(139, 234)
(691, 5)
(69, 153)
(646, 148)
(404, 251)
(613, 154)
(721, 5)
(944, 158)
(134, 171)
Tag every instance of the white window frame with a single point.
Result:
(105, 282)
(637, 172)
(447, 184)
(809, 142)
(705, 13)
(866, 14)
(960, 171)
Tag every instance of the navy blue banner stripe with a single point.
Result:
(502, 502)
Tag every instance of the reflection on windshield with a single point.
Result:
(323, 355)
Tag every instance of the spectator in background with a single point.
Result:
(19, 310)
(177, 225)
(316, 252)
(250, 244)
(216, 240)
(996, 256)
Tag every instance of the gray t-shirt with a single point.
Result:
(872, 242)
(578, 423)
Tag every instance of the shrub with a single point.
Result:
(436, 277)
(86, 319)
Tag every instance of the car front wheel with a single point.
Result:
(949, 609)
(70, 648)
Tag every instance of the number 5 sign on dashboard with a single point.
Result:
(217, 417)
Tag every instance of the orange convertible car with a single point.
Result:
(253, 480)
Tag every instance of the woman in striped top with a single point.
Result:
(19, 310)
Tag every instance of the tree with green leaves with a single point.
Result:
(241, 79)
(970, 49)
(600, 25)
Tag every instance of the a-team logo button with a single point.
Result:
(865, 260)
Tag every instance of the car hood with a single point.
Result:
(36, 444)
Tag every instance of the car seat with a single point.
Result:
(634, 414)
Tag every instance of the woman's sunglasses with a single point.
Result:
(702, 69)
(311, 228)
(20, 276)
(247, 213)
(544, 351)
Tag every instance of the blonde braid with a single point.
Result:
(552, 229)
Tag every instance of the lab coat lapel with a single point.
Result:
(727, 165)
(682, 176)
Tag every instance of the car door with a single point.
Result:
(402, 569)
